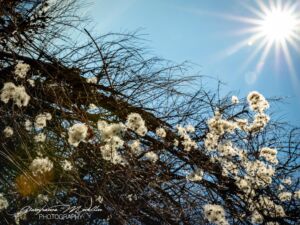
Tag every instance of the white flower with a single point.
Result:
(99, 199)
(176, 142)
(215, 214)
(242, 124)
(41, 137)
(31, 82)
(211, 141)
(260, 121)
(256, 218)
(152, 156)
(3, 202)
(42, 198)
(109, 130)
(136, 123)
(265, 204)
(92, 106)
(257, 102)
(66, 165)
(21, 69)
(16, 93)
(92, 80)
(136, 147)
(28, 125)
(41, 120)
(285, 196)
(234, 100)
(21, 215)
(196, 176)
(41, 165)
(297, 194)
(161, 132)
(269, 154)
(190, 128)
(77, 133)
(287, 181)
(8, 132)
(243, 185)
(111, 154)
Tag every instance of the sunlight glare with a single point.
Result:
(278, 25)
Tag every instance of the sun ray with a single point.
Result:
(252, 56)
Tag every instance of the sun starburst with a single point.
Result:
(274, 26)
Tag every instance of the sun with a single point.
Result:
(279, 25)
(272, 26)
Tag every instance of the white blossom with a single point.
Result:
(190, 128)
(31, 82)
(187, 142)
(260, 121)
(28, 125)
(3, 202)
(265, 204)
(16, 93)
(92, 106)
(287, 181)
(21, 215)
(211, 141)
(41, 137)
(297, 194)
(111, 154)
(257, 218)
(234, 100)
(196, 175)
(66, 165)
(135, 147)
(176, 143)
(42, 198)
(92, 80)
(269, 154)
(136, 123)
(41, 165)
(257, 102)
(109, 130)
(99, 199)
(21, 69)
(41, 120)
(215, 214)
(8, 132)
(152, 156)
(161, 132)
(285, 196)
(77, 133)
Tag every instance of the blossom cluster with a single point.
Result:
(111, 136)
(77, 133)
(21, 69)
(41, 165)
(184, 134)
(8, 132)
(41, 120)
(197, 175)
(16, 93)
(215, 214)
(136, 123)
(3, 202)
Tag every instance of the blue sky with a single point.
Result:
(203, 32)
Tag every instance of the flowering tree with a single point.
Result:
(99, 123)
